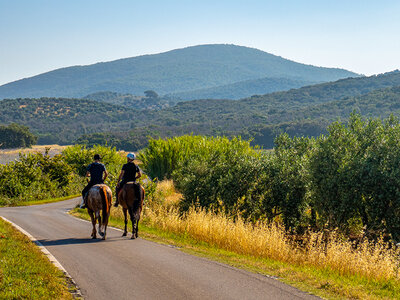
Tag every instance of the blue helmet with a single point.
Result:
(131, 156)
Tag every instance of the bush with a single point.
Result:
(231, 175)
(36, 176)
(355, 175)
(348, 179)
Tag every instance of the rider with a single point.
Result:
(95, 171)
(130, 172)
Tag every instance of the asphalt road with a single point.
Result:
(121, 268)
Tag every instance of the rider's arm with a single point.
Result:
(139, 174)
(105, 175)
(120, 176)
(87, 174)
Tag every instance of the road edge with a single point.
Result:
(77, 293)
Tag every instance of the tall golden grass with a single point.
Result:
(375, 261)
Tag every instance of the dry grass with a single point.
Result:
(7, 155)
(374, 261)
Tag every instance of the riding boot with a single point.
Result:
(83, 203)
(116, 200)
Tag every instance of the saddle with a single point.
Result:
(137, 188)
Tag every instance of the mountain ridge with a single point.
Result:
(178, 70)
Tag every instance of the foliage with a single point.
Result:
(16, 136)
(243, 89)
(348, 179)
(132, 101)
(150, 94)
(355, 175)
(305, 111)
(233, 176)
(36, 176)
(62, 120)
(161, 157)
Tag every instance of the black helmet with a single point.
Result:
(96, 157)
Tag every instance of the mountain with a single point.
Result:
(180, 70)
(243, 89)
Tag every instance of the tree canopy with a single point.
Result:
(16, 136)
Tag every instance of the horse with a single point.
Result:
(129, 202)
(99, 198)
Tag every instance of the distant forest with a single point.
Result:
(304, 111)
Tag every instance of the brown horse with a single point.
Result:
(99, 199)
(129, 202)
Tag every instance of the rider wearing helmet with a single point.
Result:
(130, 172)
(95, 171)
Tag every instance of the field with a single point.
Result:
(8, 155)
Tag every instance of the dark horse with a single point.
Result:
(99, 199)
(130, 202)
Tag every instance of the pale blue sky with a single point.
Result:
(41, 35)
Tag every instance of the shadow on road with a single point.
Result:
(70, 241)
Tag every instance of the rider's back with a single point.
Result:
(130, 169)
(96, 172)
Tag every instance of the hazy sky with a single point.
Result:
(38, 36)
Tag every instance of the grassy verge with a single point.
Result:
(35, 202)
(44, 201)
(322, 281)
(25, 273)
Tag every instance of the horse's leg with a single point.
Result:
(105, 221)
(98, 216)
(133, 220)
(137, 228)
(126, 222)
(92, 218)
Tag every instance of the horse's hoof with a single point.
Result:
(103, 238)
(101, 234)
(133, 237)
(93, 237)
(124, 234)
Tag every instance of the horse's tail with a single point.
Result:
(136, 206)
(105, 203)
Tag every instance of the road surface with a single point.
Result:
(121, 268)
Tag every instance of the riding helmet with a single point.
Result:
(131, 156)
